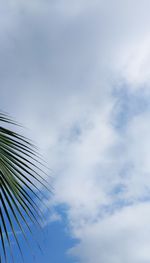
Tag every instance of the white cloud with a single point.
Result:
(123, 237)
(134, 63)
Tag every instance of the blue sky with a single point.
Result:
(76, 74)
(53, 241)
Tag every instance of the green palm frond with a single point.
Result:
(21, 184)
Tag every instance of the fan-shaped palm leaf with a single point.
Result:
(20, 183)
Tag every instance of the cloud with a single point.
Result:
(76, 73)
(122, 237)
(138, 153)
(135, 68)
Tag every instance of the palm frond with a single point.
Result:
(21, 182)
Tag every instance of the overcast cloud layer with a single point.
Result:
(77, 74)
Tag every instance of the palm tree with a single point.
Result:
(21, 185)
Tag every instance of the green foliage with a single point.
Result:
(21, 184)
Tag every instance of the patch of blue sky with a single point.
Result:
(119, 202)
(71, 133)
(116, 206)
(128, 104)
(75, 133)
(145, 198)
(49, 244)
(120, 190)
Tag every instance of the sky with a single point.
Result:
(76, 74)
